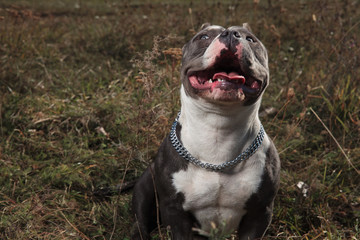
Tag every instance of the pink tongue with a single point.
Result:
(230, 76)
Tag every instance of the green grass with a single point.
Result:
(88, 90)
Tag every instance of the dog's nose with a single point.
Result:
(230, 33)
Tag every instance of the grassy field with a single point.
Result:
(88, 90)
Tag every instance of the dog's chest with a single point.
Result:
(220, 197)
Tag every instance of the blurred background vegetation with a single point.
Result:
(88, 90)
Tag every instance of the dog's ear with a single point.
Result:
(183, 50)
(205, 25)
(247, 27)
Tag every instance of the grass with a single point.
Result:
(88, 90)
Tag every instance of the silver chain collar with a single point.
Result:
(183, 152)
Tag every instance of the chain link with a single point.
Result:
(183, 152)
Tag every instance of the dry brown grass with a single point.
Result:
(88, 90)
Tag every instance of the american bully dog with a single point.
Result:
(217, 169)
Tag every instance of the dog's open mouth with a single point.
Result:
(226, 75)
(224, 81)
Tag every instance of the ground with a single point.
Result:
(88, 90)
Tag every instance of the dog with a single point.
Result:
(217, 169)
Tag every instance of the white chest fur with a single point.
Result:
(216, 137)
(220, 197)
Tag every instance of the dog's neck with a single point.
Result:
(217, 133)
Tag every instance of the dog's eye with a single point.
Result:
(250, 39)
(204, 37)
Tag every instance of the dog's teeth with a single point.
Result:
(210, 81)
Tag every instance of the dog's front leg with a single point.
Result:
(179, 221)
(255, 223)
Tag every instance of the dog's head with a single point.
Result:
(225, 65)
